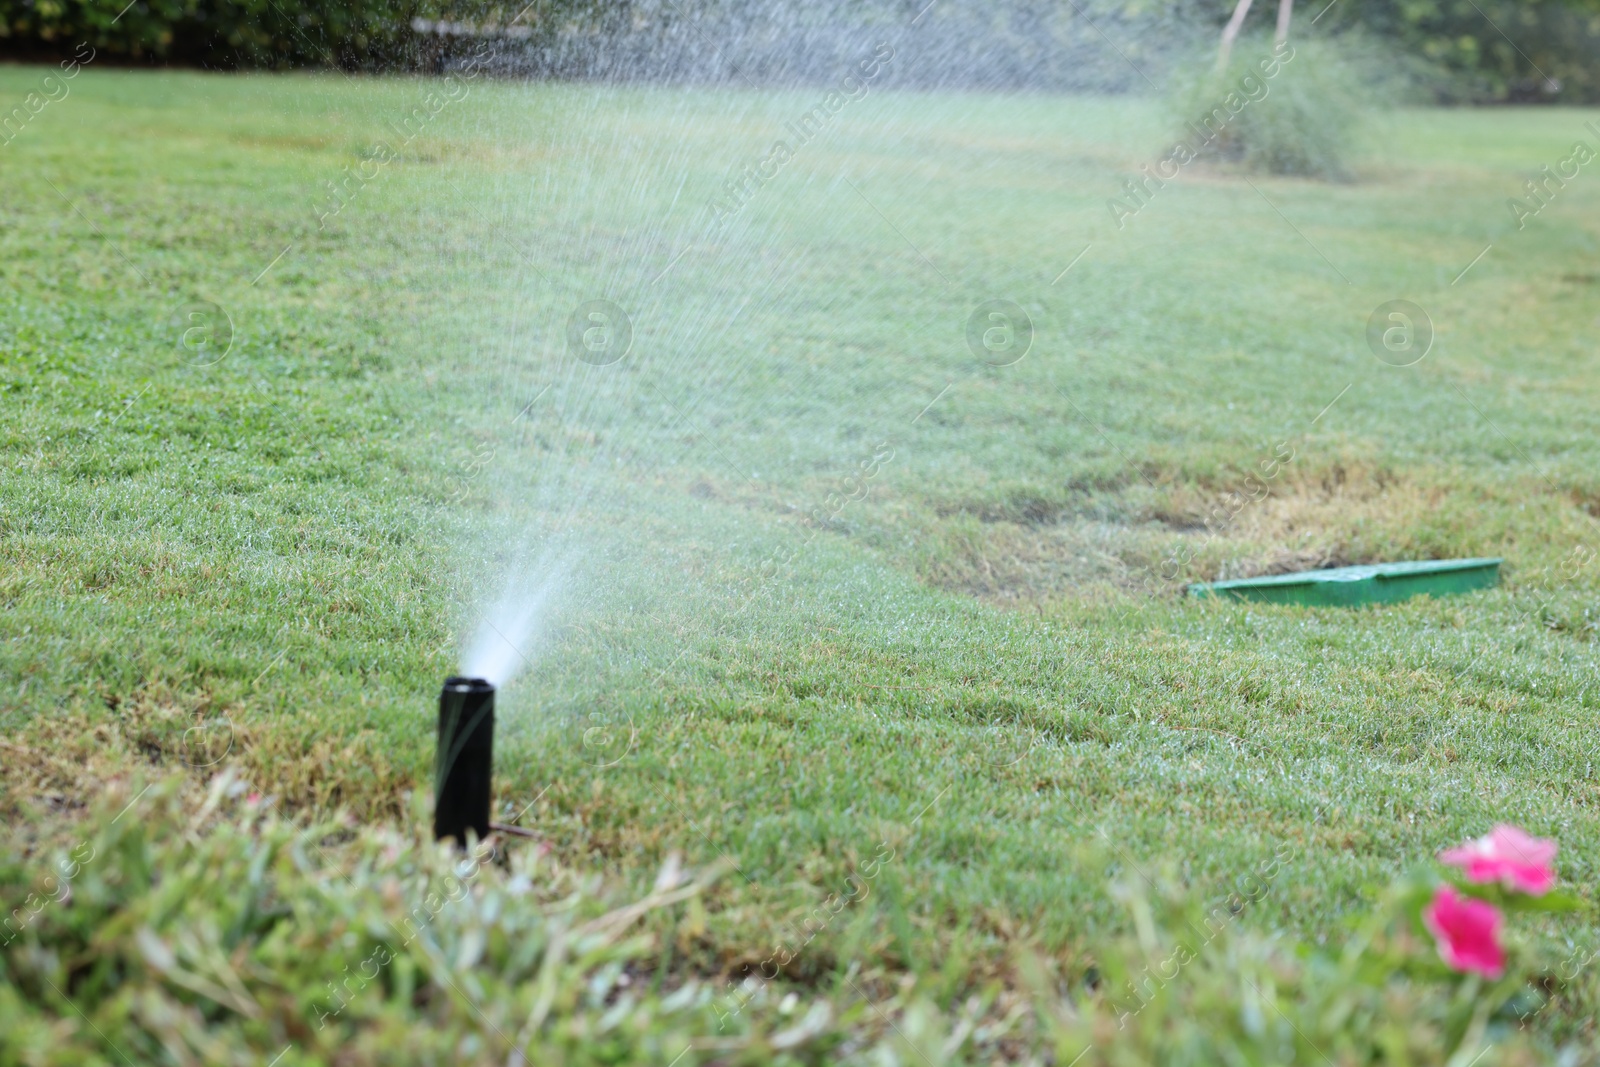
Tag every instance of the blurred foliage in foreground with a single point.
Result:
(1457, 50)
(180, 926)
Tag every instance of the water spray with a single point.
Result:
(465, 759)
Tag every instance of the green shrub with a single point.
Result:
(1287, 109)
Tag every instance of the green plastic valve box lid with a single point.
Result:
(1375, 583)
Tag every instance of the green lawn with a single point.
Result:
(979, 663)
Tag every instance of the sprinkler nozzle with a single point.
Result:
(465, 759)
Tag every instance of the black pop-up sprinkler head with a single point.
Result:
(464, 760)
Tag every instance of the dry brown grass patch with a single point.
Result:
(57, 763)
(1309, 518)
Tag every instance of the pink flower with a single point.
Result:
(1468, 932)
(1509, 856)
